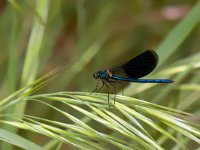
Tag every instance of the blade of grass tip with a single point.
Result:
(179, 33)
(41, 82)
(83, 140)
(116, 126)
(91, 115)
(36, 84)
(70, 136)
(102, 137)
(135, 122)
(146, 120)
(184, 131)
(84, 119)
(34, 45)
(175, 123)
(65, 97)
(107, 138)
(77, 131)
(93, 100)
(134, 130)
(133, 102)
(69, 116)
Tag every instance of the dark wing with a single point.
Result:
(139, 66)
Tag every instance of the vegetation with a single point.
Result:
(49, 51)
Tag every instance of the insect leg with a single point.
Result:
(108, 92)
(101, 86)
(113, 84)
(115, 91)
(96, 88)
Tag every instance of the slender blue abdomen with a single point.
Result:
(142, 80)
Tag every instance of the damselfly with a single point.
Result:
(130, 71)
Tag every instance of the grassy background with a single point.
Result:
(89, 35)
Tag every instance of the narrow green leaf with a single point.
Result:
(18, 141)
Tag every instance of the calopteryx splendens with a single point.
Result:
(130, 71)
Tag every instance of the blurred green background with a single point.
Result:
(89, 35)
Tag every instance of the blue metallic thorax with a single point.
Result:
(103, 74)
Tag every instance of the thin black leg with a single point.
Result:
(115, 91)
(101, 86)
(96, 88)
(114, 86)
(108, 93)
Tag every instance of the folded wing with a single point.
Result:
(139, 66)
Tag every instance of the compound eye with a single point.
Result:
(95, 75)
